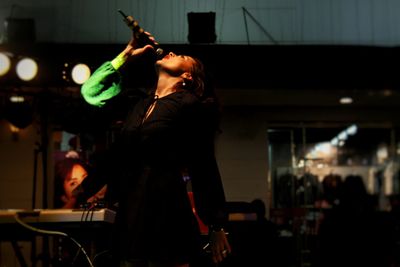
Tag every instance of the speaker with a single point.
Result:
(19, 30)
(201, 27)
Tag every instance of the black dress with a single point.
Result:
(155, 220)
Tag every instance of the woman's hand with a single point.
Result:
(69, 203)
(133, 49)
(220, 247)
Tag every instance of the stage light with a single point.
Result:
(342, 135)
(352, 129)
(17, 99)
(27, 69)
(201, 27)
(75, 73)
(346, 100)
(5, 63)
(80, 73)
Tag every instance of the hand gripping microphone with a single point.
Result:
(139, 33)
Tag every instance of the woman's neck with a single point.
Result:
(167, 85)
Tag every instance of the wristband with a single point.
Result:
(118, 61)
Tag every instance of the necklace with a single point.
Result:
(150, 108)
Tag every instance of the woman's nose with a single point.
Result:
(171, 54)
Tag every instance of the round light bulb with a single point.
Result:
(80, 73)
(5, 64)
(27, 69)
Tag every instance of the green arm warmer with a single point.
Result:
(103, 84)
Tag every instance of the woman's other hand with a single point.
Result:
(220, 247)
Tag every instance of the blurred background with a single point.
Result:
(309, 92)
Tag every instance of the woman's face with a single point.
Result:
(78, 174)
(175, 65)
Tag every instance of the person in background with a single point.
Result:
(69, 173)
(352, 233)
(266, 238)
(331, 191)
(170, 129)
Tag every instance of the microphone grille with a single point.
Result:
(159, 52)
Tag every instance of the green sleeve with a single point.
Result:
(103, 84)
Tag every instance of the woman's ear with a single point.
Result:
(187, 76)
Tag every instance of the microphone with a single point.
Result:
(139, 33)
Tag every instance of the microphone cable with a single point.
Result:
(88, 209)
(54, 233)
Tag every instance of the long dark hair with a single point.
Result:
(197, 84)
(202, 86)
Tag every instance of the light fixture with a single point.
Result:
(352, 129)
(340, 139)
(17, 99)
(335, 141)
(27, 69)
(80, 73)
(5, 63)
(342, 135)
(76, 73)
(201, 27)
(346, 100)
